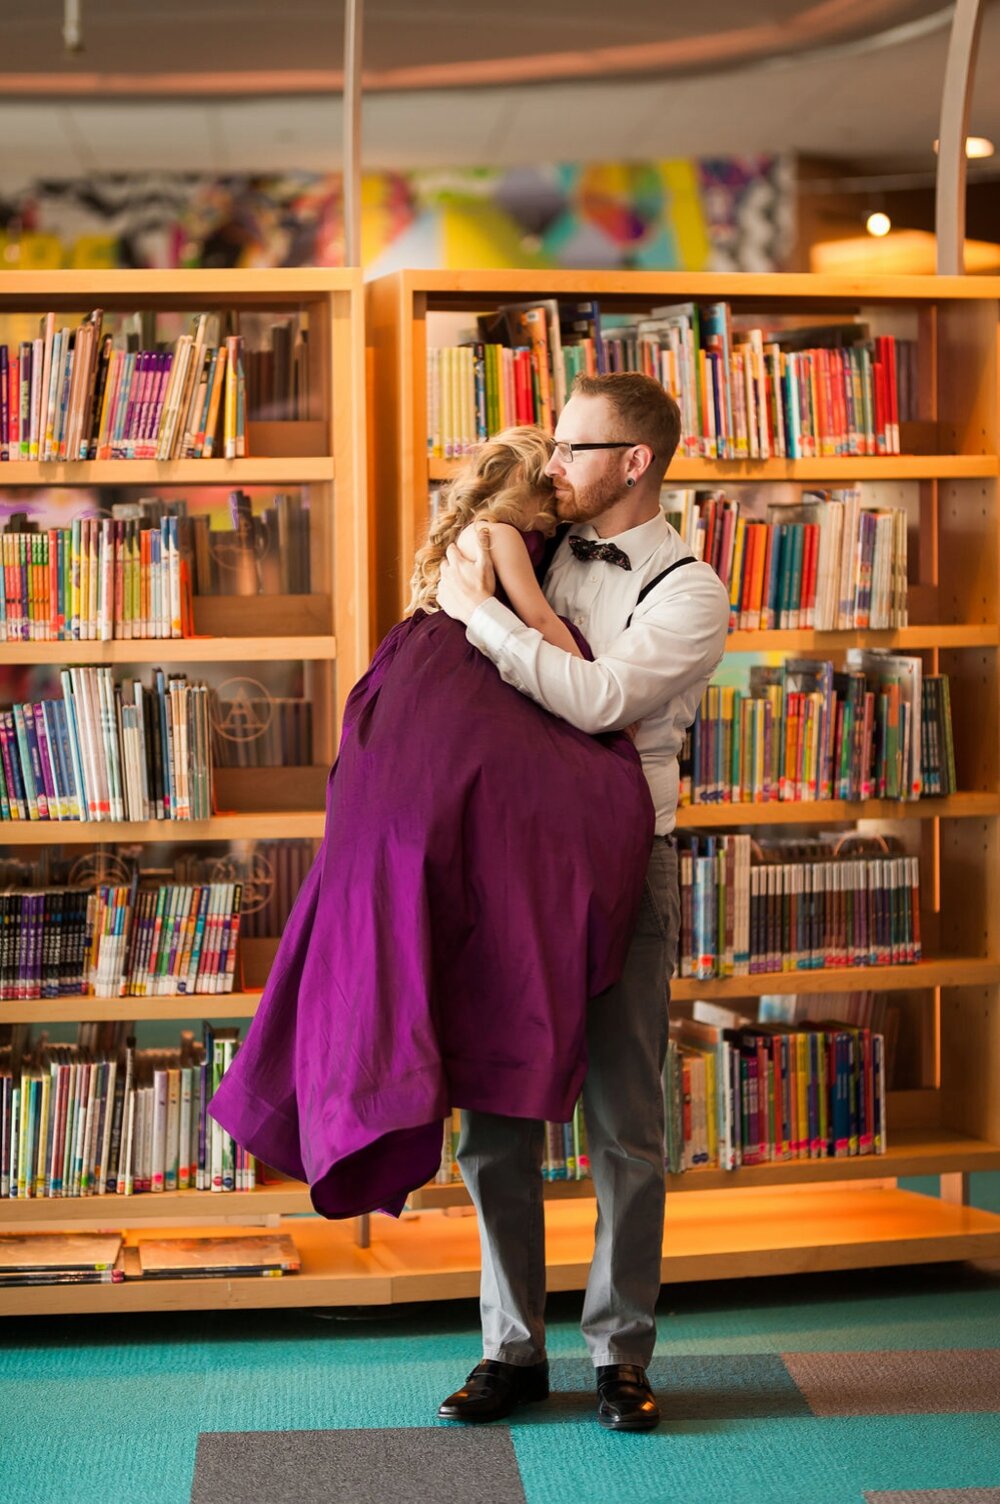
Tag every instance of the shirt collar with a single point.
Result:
(639, 543)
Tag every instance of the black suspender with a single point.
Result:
(677, 564)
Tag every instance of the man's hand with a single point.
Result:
(465, 583)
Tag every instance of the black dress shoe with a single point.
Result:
(493, 1389)
(625, 1401)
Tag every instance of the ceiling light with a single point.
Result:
(975, 146)
(878, 223)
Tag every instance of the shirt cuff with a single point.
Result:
(490, 626)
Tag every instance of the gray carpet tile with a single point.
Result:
(419, 1465)
(945, 1381)
(736, 1386)
(937, 1496)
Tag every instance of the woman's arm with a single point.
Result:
(506, 547)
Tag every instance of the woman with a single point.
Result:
(439, 955)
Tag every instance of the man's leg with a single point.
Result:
(623, 1103)
(501, 1163)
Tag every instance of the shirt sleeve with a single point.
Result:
(676, 640)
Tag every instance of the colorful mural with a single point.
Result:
(732, 214)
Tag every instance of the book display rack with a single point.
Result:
(943, 1102)
(292, 440)
(943, 1108)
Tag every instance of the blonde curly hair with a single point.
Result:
(503, 481)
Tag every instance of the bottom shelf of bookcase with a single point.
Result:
(432, 1255)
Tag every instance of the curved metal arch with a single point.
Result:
(956, 99)
(354, 11)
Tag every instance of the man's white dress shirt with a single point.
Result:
(653, 672)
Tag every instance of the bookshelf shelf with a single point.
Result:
(902, 639)
(277, 1199)
(431, 1255)
(80, 1009)
(281, 1199)
(914, 1151)
(316, 649)
(263, 826)
(830, 811)
(834, 471)
(952, 971)
(295, 470)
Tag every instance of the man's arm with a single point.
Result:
(676, 639)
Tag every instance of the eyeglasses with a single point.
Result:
(564, 452)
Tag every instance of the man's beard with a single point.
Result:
(587, 502)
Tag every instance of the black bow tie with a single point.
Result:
(586, 548)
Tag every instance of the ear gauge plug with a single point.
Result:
(630, 481)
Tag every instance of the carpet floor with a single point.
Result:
(881, 1386)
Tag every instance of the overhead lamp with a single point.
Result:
(975, 146)
(878, 223)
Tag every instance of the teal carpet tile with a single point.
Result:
(95, 1408)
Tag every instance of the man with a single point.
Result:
(654, 653)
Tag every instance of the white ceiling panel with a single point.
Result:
(851, 103)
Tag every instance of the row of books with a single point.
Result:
(108, 751)
(755, 393)
(107, 575)
(830, 563)
(270, 874)
(103, 1258)
(518, 370)
(72, 394)
(879, 729)
(756, 1093)
(98, 579)
(119, 940)
(92, 1127)
(744, 392)
(178, 938)
(793, 907)
(878, 1011)
(565, 1154)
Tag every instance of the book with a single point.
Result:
(266, 1255)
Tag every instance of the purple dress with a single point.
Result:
(478, 881)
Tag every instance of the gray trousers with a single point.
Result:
(501, 1162)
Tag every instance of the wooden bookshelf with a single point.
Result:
(322, 452)
(949, 484)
